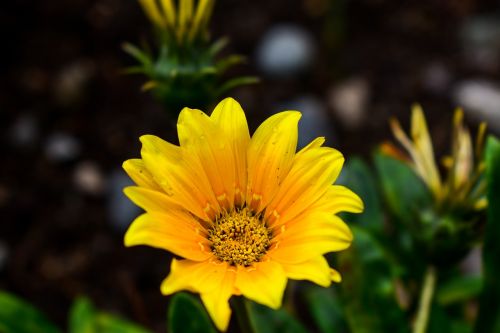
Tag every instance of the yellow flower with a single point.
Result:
(187, 22)
(465, 185)
(245, 213)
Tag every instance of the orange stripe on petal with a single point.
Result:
(198, 277)
(309, 237)
(270, 157)
(230, 118)
(176, 232)
(199, 135)
(182, 181)
(312, 173)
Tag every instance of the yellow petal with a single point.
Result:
(217, 301)
(150, 200)
(425, 161)
(153, 12)
(335, 275)
(316, 143)
(270, 157)
(316, 270)
(481, 132)
(309, 237)
(185, 13)
(201, 17)
(199, 277)
(181, 179)
(230, 119)
(136, 170)
(201, 138)
(338, 199)
(175, 231)
(168, 12)
(463, 156)
(311, 175)
(263, 282)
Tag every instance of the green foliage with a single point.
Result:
(17, 316)
(440, 322)
(187, 315)
(489, 315)
(459, 289)
(368, 287)
(325, 309)
(266, 320)
(358, 177)
(425, 232)
(403, 190)
(84, 318)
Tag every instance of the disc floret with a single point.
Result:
(239, 237)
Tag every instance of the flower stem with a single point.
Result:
(242, 311)
(425, 303)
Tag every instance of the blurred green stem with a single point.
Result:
(242, 310)
(424, 307)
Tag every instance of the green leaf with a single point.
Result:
(489, 312)
(441, 321)
(459, 289)
(84, 318)
(405, 193)
(358, 177)
(325, 308)
(368, 287)
(187, 315)
(267, 320)
(17, 316)
(107, 323)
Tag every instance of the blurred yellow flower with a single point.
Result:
(465, 185)
(185, 24)
(245, 213)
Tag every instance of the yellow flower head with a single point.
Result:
(245, 213)
(186, 23)
(464, 185)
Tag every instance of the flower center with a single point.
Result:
(239, 237)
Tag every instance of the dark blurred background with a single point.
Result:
(69, 117)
